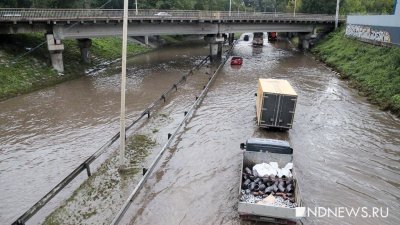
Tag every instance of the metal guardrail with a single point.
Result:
(22, 14)
(86, 164)
(171, 137)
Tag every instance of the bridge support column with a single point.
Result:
(146, 40)
(214, 51)
(219, 53)
(215, 42)
(55, 48)
(304, 41)
(305, 44)
(231, 38)
(84, 45)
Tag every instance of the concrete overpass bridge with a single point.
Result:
(83, 24)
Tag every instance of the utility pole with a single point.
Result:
(294, 9)
(136, 7)
(230, 7)
(337, 14)
(123, 84)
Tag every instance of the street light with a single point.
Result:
(123, 86)
(136, 7)
(230, 7)
(337, 14)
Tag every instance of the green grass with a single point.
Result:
(110, 48)
(103, 188)
(19, 75)
(170, 39)
(373, 70)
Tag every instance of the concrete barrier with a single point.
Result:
(380, 30)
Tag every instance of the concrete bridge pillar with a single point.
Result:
(216, 42)
(219, 52)
(305, 44)
(55, 48)
(146, 40)
(213, 51)
(231, 38)
(84, 45)
(304, 41)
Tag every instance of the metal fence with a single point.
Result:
(86, 164)
(171, 137)
(21, 14)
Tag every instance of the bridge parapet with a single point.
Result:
(54, 15)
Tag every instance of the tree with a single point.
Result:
(352, 6)
(318, 6)
(8, 4)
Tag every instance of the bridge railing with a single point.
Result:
(21, 14)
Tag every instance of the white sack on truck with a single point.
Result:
(272, 169)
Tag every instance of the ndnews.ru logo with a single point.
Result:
(341, 212)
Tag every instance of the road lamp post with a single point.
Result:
(136, 7)
(337, 14)
(123, 86)
(230, 7)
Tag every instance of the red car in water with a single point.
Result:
(236, 60)
(272, 36)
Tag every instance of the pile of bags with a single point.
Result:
(266, 183)
(272, 169)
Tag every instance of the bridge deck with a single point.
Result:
(107, 15)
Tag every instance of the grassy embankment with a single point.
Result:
(33, 71)
(373, 70)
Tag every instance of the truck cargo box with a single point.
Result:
(258, 39)
(271, 151)
(275, 104)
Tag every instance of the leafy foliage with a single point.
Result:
(367, 6)
(304, 6)
(372, 69)
(24, 74)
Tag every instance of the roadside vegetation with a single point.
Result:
(22, 72)
(373, 70)
(302, 6)
(34, 71)
(90, 203)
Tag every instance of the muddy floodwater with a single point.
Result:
(346, 151)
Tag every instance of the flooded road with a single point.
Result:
(346, 151)
(46, 134)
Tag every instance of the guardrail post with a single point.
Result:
(144, 171)
(87, 166)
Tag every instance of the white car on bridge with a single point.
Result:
(162, 14)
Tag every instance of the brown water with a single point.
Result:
(46, 134)
(346, 151)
